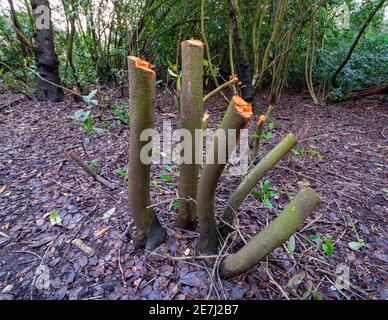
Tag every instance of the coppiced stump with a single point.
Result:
(251, 180)
(191, 120)
(142, 93)
(277, 232)
(236, 118)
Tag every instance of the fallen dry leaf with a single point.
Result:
(2, 234)
(83, 247)
(296, 280)
(3, 188)
(100, 233)
(187, 252)
(5, 227)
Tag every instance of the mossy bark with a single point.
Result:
(191, 120)
(236, 117)
(142, 93)
(273, 235)
(251, 180)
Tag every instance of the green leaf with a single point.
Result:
(108, 214)
(267, 136)
(315, 238)
(267, 203)
(265, 186)
(273, 193)
(385, 190)
(255, 136)
(175, 205)
(320, 157)
(88, 125)
(205, 63)
(256, 194)
(312, 152)
(318, 297)
(55, 219)
(357, 245)
(179, 84)
(122, 173)
(94, 164)
(291, 245)
(328, 248)
(271, 126)
(168, 168)
(166, 177)
(172, 73)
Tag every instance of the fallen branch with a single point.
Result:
(366, 93)
(89, 171)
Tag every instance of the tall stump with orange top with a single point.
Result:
(236, 118)
(142, 93)
(191, 120)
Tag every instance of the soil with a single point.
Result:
(40, 261)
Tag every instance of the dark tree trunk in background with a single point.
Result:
(24, 41)
(355, 42)
(45, 56)
(243, 67)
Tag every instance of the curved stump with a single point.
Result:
(257, 173)
(280, 230)
(236, 117)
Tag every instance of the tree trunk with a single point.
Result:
(191, 119)
(355, 42)
(24, 41)
(142, 95)
(46, 58)
(243, 66)
(280, 230)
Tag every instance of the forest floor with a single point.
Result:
(39, 261)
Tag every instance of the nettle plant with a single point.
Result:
(198, 185)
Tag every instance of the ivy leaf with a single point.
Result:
(55, 219)
(328, 248)
(357, 245)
